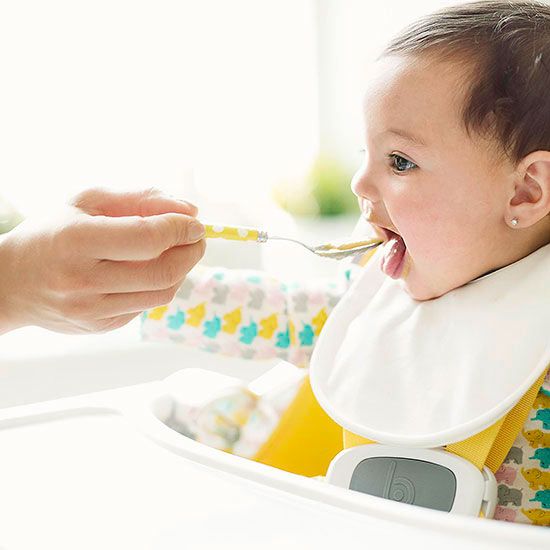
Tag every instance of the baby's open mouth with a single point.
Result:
(394, 250)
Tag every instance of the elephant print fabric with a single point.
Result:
(248, 314)
(524, 477)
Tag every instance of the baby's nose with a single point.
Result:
(363, 187)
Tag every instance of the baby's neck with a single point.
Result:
(529, 241)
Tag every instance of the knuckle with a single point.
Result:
(152, 191)
(83, 281)
(195, 254)
(165, 296)
(72, 282)
(63, 239)
(170, 274)
(55, 282)
(183, 261)
(75, 309)
(201, 249)
(188, 257)
(145, 196)
(176, 229)
(68, 238)
(60, 283)
(148, 234)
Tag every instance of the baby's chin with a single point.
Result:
(422, 295)
(424, 288)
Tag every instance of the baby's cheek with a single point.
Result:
(436, 248)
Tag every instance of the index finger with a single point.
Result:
(136, 237)
(98, 201)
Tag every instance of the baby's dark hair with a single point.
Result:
(507, 47)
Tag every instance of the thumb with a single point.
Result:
(99, 201)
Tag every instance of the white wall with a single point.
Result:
(135, 93)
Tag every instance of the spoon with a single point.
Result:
(327, 250)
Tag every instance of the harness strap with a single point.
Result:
(491, 446)
(305, 440)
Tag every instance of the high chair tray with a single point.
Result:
(102, 470)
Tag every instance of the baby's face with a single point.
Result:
(446, 193)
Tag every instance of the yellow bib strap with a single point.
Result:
(476, 448)
(491, 446)
(306, 438)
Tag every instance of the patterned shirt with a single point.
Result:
(248, 314)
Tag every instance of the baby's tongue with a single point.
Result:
(393, 256)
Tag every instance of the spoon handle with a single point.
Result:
(235, 233)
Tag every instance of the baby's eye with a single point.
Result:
(401, 164)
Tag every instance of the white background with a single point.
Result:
(213, 100)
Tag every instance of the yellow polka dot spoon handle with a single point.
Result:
(329, 250)
(235, 233)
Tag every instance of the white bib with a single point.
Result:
(425, 374)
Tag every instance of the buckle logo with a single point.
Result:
(400, 489)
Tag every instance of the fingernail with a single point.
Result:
(196, 231)
(182, 201)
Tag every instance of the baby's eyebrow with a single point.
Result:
(415, 140)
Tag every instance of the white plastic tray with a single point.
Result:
(102, 471)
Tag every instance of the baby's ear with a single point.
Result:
(531, 199)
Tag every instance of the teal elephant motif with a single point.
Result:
(306, 335)
(177, 320)
(543, 497)
(248, 333)
(543, 455)
(544, 416)
(283, 339)
(212, 327)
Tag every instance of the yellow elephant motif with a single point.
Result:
(269, 326)
(195, 315)
(157, 313)
(231, 321)
(537, 438)
(537, 516)
(542, 401)
(536, 478)
(319, 320)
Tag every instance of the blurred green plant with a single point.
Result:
(324, 191)
(9, 216)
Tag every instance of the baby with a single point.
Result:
(456, 180)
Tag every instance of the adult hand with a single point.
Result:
(99, 262)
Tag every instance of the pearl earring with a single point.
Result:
(514, 222)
